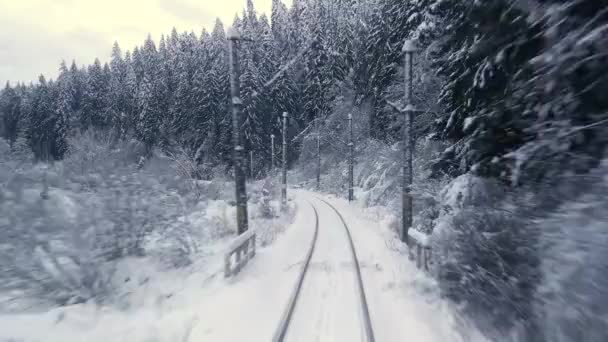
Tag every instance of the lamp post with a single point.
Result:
(409, 48)
(318, 154)
(251, 164)
(284, 177)
(351, 159)
(272, 164)
(239, 159)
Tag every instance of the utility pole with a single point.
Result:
(272, 164)
(284, 178)
(318, 155)
(351, 159)
(409, 48)
(239, 158)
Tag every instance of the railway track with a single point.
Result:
(283, 328)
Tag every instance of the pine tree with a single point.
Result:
(560, 93)
(118, 104)
(130, 96)
(211, 88)
(150, 90)
(318, 77)
(487, 45)
(41, 130)
(279, 21)
(65, 106)
(95, 103)
(10, 113)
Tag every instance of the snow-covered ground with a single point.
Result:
(328, 308)
(403, 302)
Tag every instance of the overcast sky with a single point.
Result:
(35, 35)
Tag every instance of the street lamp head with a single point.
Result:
(233, 33)
(284, 114)
(350, 116)
(272, 136)
(409, 46)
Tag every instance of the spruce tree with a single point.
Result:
(488, 44)
(10, 113)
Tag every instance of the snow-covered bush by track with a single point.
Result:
(527, 263)
(104, 222)
(572, 298)
(99, 208)
(485, 254)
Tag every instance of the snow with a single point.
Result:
(420, 237)
(404, 303)
(200, 305)
(328, 307)
(468, 122)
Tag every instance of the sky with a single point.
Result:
(37, 35)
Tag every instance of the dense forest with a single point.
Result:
(518, 81)
(514, 90)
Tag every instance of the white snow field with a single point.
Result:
(402, 301)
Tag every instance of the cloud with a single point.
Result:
(27, 50)
(37, 34)
(185, 11)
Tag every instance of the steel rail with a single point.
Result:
(369, 331)
(281, 331)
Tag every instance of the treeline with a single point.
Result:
(176, 92)
(522, 83)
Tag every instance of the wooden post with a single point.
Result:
(284, 178)
(409, 47)
(237, 122)
(351, 159)
(272, 164)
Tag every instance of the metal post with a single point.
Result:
(239, 158)
(409, 48)
(318, 155)
(284, 178)
(351, 159)
(272, 164)
(251, 164)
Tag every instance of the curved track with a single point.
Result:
(281, 331)
(331, 295)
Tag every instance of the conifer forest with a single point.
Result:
(472, 130)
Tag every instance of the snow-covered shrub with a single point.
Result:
(572, 298)
(268, 218)
(45, 253)
(485, 254)
(101, 207)
(188, 169)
